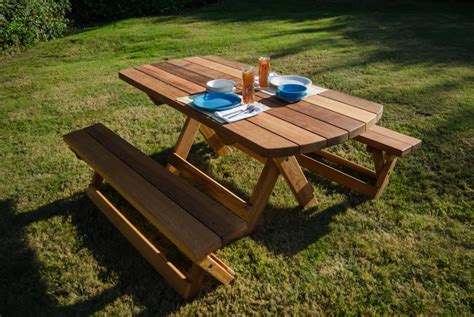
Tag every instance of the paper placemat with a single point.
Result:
(220, 116)
(312, 90)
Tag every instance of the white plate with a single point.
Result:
(290, 79)
(220, 85)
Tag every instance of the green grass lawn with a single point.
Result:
(411, 252)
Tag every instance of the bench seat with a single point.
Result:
(390, 141)
(385, 146)
(192, 221)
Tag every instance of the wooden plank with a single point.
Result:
(336, 176)
(262, 141)
(196, 276)
(220, 220)
(352, 126)
(197, 78)
(209, 185)
(261, 194)
(377, 158)
(413, 142)
(346, 163)
(216, 66)
(355, 101)
(150, 85)
(250, 153)
(215, 268)
(299, 185)
(189, 235)
(215, 142)
(171, 79)
(331, 133)
(166, 269)
(384, 176)
(306, 140)
(220, 60)
(185, 141)
(384, 143)
(350, 111)
(201, 69)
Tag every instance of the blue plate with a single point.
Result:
(290, 99)
(216, 101)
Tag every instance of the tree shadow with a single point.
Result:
(403, 32)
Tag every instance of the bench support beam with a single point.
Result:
(186, 284)
(384, 164)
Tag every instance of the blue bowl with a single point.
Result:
(292, 91)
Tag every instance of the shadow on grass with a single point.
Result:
(23, 291)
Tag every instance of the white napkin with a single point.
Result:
(240, 112)
(220, 116)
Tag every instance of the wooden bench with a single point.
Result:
(192, 221)
(385, 146)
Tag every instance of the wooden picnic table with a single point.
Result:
(278, 137)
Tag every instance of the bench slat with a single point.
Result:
(384, 143)
(186, 232)
(217, 218)
(388, 140)
(414, 142)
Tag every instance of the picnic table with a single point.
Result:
(286, 137)
(279, 137)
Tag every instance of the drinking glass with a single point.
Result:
(263, 71)
(248, 91)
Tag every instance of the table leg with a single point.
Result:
(296, 180)
(291, 171)
(214, 141)
(185, 141)
(261, 194)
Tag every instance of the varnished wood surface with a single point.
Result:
(286, 129)
(195, 223)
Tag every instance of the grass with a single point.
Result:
(409, 253)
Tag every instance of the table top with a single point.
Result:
(286, 129)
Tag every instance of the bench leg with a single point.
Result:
(168, 271)
(214, 141)
(196, 277)
(97, 180)
(187, 285)
(185, 141)
(384, 165)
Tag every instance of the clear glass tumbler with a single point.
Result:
(263, 71)
(248, 89)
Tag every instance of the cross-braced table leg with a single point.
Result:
(185, 141)
(216, 143)
(252, 210)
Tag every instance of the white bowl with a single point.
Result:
(220, 85)
(290, 79)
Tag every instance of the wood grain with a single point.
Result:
(196, 241)
(220, 220)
